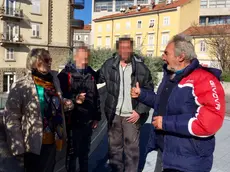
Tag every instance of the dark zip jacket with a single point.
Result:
(109, 73)
(73, 82)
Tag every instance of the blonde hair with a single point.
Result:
(34, 55)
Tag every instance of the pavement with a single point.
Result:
(98, 159)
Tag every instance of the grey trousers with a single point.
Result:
(159, 165)
(123, 145)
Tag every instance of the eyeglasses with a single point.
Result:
(47, 60)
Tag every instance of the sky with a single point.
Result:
(84, 14)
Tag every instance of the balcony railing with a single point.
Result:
(10, 38)
(78, 4)
(76, 23)
(11, 12)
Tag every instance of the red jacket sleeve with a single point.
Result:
(210, 98)
(209, 116)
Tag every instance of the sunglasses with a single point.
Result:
(47, 60)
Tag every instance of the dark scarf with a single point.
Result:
(46, 77)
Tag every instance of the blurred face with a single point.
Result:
(82, 58)
(173, 62)
(125, 50)
(44, 65)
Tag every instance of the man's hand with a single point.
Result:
(80, 98)
(134, 117)
(94, 124)
(157, 122)
(135, 91)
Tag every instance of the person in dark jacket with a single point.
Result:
(123, 113)
(189, 109)
(78, 83)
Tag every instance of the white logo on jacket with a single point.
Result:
(215, 95)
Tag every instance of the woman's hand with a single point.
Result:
(80, 98)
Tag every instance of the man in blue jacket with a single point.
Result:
(189, 109)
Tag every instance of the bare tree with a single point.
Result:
(217, 39)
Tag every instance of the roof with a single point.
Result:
(145, 9)
(86, 27)
(208, 30)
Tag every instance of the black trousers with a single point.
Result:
(45, 162)
(123, 145)
(81, 139)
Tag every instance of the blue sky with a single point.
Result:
(84, 14)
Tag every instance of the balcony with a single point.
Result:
(11, 13)
(8, 38)
(78, 4)
(77, 24)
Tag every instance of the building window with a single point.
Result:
(166, 21)
(142, 2)
(151, 23)
(11, 31)
(107, 42)
(202, 21)
(103, 6)
(128, 25)
(164, 39)
(218, 20)
(9, 55)
(150, 53)
(36, 6)
(99, 28)
(108, 27)
(99, 43)
(8, 79)
(139, 24)
(203, 3)
(138, 42)
(150, 39)
(117, 26)
(86, 38)
(124, 4)
(78, 37)
(202, 46)
(35, 29)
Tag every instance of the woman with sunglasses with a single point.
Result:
(34, 117)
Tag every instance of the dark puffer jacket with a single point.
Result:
(109, 73)
(74, 82)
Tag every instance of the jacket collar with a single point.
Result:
(134, 59)
(189, 69)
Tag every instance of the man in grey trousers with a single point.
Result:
(124, 114)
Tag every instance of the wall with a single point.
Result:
(60, 22)
(189, 14)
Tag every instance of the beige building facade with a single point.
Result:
(29, 24)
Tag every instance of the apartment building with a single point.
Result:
(82, 36)
(102, 8)
(213, 12)
(205, 39)
(31, 24)
(151, 26)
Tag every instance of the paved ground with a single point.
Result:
(221, 154)
(227, 98)
(98, 159)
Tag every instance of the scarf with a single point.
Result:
(52, 110)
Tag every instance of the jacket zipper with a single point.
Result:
(123, 81)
